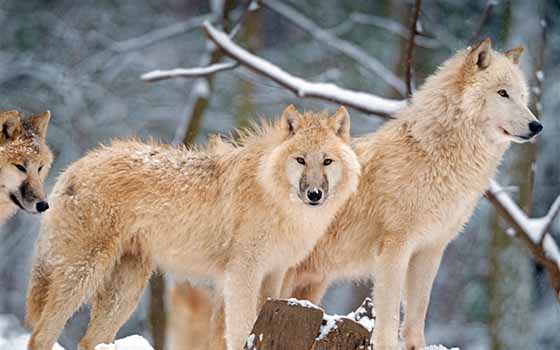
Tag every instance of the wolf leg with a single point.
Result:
(217, 326)
(389, 273)
(189, 318)
(422, 270)
(242, 284)
(71, 282)
(271, 286)
(37, 291)
(116, 299)
(313, 291)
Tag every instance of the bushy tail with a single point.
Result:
(37, 292)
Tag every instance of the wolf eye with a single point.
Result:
(503, 93)
(300, 160)
(21, 168)
(327, 161)
(40, 168)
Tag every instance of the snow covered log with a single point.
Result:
(300, 325)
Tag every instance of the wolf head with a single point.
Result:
(314, 161)
(25, 160)
(478, 91)
(497, 80)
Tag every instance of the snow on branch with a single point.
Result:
(332, 41)
(197, 72)
(534, 232)
(362, 101)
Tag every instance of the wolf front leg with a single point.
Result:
(389, 276)
(422, 270)
(242, 284)
(272, 286)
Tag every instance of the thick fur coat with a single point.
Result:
(234, 217)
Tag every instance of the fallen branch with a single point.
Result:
(533, 232)
(362, 101)
(343, 46)
(197, 72)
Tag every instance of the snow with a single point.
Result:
(534, 228)
(361, 317)
(359, 100)
(14, 337)
(540, 75)
(133, 342)
(329, 325)
(438, 347)
(187, 72)
(303, 303)
(250, 341)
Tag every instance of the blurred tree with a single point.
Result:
(511, 269)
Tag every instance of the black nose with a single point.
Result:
(535, 127)
(314, 195)
(42, 206)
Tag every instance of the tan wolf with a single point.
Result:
(25, 160)
(236, 217)
(422, 176)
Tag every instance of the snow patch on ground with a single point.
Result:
(438, 347)
(133, 342)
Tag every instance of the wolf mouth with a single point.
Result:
(520, 137)
(16, 202)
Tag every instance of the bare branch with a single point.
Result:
(343, 46)
(358, 100)
(197, 72)
(410, 51)
(532, 232)
(395, 28)
(486, 13)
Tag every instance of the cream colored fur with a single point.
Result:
(22, 144)
(235, 218)
(422, 176)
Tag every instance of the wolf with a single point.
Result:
(422, 176)
(123, 210)
(25, 160)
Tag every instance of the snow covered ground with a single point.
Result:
(14, 337)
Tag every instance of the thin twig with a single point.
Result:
(358, 100)
(197, 72)
(345, 47)
(486, 13)
(410, 51)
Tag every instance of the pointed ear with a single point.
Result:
(290, 120)
(10, 123)
(514, 54)
(340, 123)
(481, 55)
(40, 123)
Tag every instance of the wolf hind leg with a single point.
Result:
(37, 292)
(116, 299)
(69, 284)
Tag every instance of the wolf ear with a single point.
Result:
(290, 120)
(10, 122)
(340, 123)
(514, 54)
(481, 55)
(40, 122)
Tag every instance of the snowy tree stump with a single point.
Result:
(300, 325)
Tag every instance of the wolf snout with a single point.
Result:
(42, 206)
(535, 127)
(314, 195)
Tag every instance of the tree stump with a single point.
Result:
(300, 325)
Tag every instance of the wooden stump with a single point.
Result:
(300, 325)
